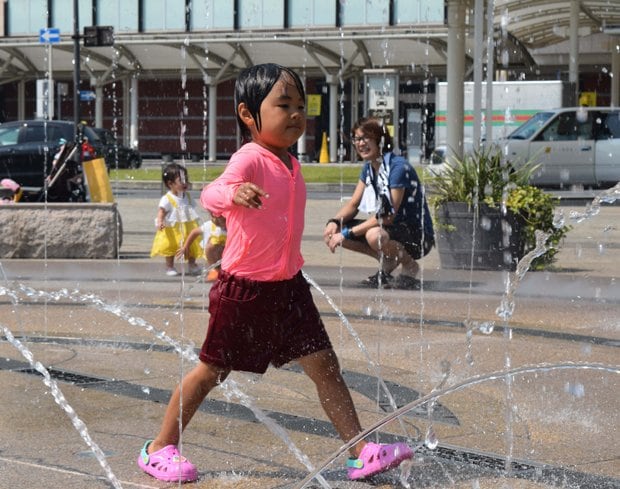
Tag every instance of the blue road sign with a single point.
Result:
(87, 95)
(49, 35)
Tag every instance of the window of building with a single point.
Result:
(122, 14)
(306, 13)
(362, 12)
(62, 15)
(212, 14)
(257, 14)
(27, 16)
(420, 11)
(162, 15)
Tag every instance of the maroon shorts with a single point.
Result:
(253, 324)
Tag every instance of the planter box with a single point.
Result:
(497, 243)
(67, 230)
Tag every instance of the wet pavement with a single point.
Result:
(117, 335)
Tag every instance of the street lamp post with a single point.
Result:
(76, 71)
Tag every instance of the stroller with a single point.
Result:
(66, 179)
(10, 191)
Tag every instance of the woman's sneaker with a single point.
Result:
(378, 280)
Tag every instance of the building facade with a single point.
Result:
(166, 85)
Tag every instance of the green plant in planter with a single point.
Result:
(537, 209)
(484, 178)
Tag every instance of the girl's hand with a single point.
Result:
(180, 252)
(248, 195)
(160, 225)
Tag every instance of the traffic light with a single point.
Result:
(98, 35)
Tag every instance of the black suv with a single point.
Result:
(27, 150)
(113, 151)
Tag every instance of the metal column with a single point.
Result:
(212, 110)
(133, 113)
(573, 54)
(456, 74)
(333, 118)
(615, 73)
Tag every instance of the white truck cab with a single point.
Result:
(573, 146)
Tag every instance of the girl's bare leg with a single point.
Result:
(190, 393)
(323, 369)
(169, 261)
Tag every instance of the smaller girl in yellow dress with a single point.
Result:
(176, 218)
(213, 234)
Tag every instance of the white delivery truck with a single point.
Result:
(572, 146)
(514, 102)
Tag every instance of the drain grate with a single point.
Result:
(477, 459)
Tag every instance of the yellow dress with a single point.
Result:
(178, 224)
(215, 234)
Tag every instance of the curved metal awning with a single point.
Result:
(531, 34)
(542, 23)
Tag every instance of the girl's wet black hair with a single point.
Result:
(171, 172)
(252, 87)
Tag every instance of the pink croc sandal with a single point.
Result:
(376, 458)
(167, 464)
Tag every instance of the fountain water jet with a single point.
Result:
(433, 396)
(60, 399)
(230, 387)
(505, 310)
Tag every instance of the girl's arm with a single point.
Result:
(161, 216)
(218, 196)
(193, 234)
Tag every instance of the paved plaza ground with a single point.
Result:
(116, 335)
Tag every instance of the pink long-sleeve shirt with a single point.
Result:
(263, 244)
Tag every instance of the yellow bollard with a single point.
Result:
(97, 180)
(324, 155)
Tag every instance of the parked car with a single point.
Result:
(115, 152)
(27, 150)
(579, 145)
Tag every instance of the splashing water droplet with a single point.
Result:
(486, 327)
(558, 219)
(146, 390)
(505, 57)
(431, 441)
(582, 114)
(405, 471)
(575, 389)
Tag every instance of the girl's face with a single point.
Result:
(366, 147)
(180, 185)
(282, 116)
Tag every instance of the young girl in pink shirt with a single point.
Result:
(261, 308)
